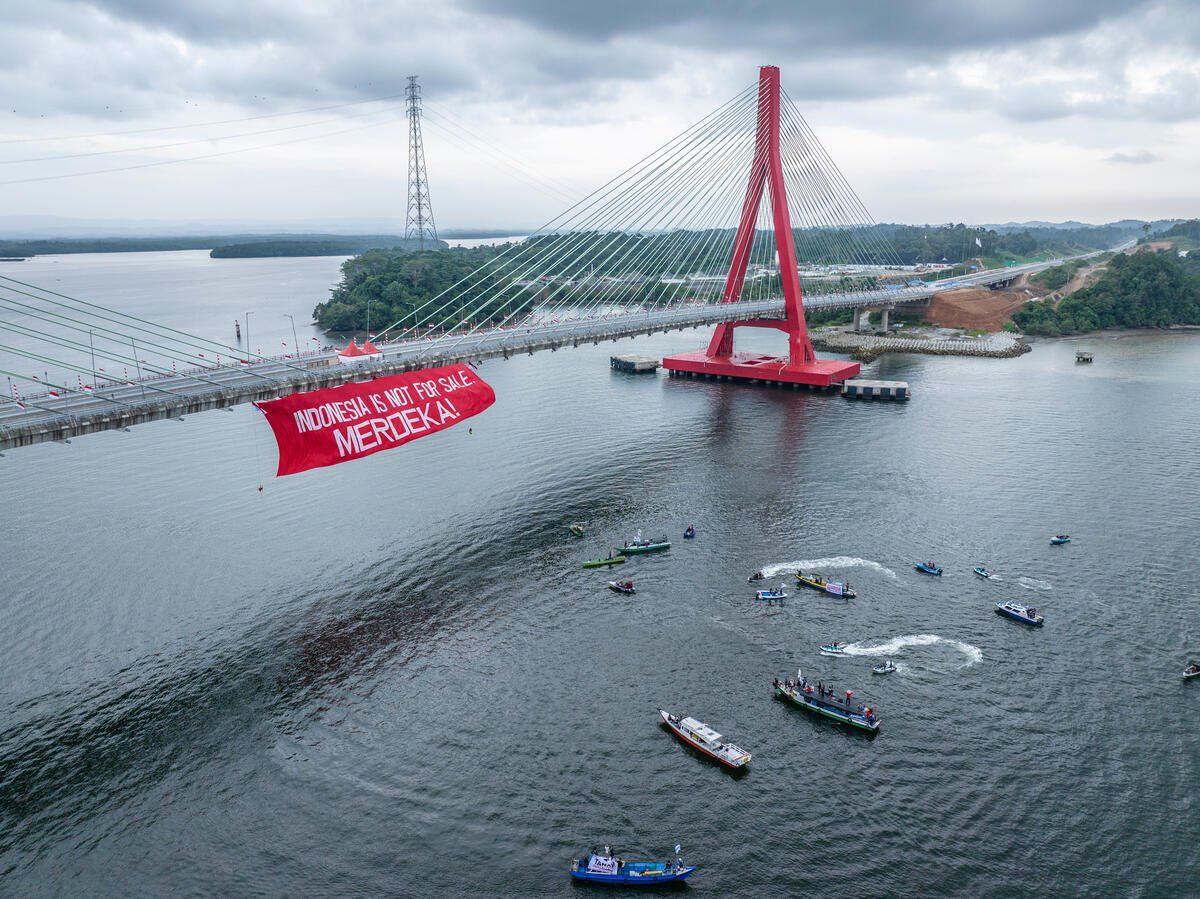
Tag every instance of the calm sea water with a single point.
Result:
(393, 677)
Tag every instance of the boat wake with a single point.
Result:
(1032, 583)
(832, 562)
(890, 647)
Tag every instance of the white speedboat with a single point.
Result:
(703, 738)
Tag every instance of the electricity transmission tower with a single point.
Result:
(419, 224)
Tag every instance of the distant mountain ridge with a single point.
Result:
(1157, 224)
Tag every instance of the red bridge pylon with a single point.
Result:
(801, 366)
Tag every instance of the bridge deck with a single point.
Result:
(116, 407)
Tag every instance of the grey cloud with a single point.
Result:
(1137, 157)
(815, 26)
(116, 58)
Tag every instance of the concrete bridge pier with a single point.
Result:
(862, 318)
(883, 318)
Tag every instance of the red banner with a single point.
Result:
(338, 424)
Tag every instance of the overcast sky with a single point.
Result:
(972, 111)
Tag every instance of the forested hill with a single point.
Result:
(326, 246)
(397, 283)
(1137, 290)
(958, 243)
(221, 245)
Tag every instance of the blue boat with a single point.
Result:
(1060, 539)
(928, 568)
(604, 865)
(982, 572)
(1017, 612)
(772, 595)
(690, 533)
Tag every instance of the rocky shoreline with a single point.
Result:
(868, 347)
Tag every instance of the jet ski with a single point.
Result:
(981, 571)
(883, 668)
(690, 533)
(621, 586)
(757, 576)
(1192, 670)
(1060, 539)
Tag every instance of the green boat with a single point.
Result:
(808, 696)
(596, 563)
(630, 549)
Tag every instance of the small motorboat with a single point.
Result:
(690, 533)
(1192, 670)
(577, 530)
(779, 593)
(621, 586)
(928, 568)
(833, 649)
(703, 738)
(1017, 612)
(883, 667)
(611, 560)
(603, 864)
(1060, 539)
(757, 576)
(981, 571)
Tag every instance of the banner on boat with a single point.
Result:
(602, 864)
(337, 424)
(834, 588)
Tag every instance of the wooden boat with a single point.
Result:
(596, 563)
(604, 864)
(621, 586)
(819, 582)
(1017, 612)
(704, 739)
(809, 697)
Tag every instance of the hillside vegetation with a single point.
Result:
(639, 268)
(1139, 290)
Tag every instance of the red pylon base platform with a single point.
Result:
(760, 367)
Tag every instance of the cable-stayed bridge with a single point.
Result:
(741, 220)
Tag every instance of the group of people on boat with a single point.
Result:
(1192, 669)
(639, 541)
(801, 684)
